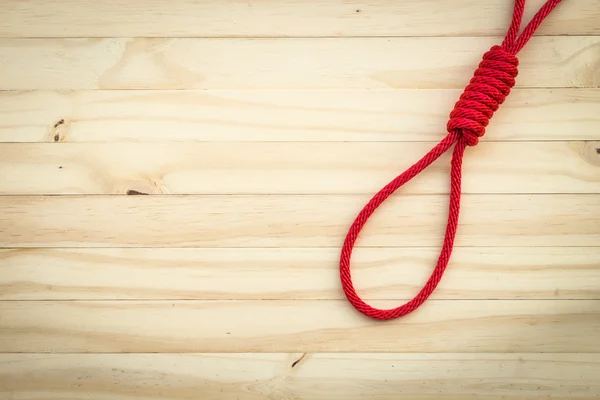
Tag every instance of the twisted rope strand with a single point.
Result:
(491, 83)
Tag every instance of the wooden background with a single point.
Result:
(176, 180)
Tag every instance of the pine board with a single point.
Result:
(288, 63)
(290, 168)
(230, 18)
(316, 376)
(475, 273)
(444, 326)
(356, 115)
(294, 221)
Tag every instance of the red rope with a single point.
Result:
(487, 90)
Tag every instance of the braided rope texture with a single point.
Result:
(491, 83)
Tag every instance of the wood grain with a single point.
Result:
(316, 376)
(327, 63)
(294, 221)
(307, 273)
(291, 168)
(297, 326)
(285, 115)
(177, 178)
(184, 18)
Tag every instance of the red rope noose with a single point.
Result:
(491, 83)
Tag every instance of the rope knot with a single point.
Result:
(491, 83)
(488, 88)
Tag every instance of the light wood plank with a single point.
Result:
(282, 115)
(151, 18)
(294, 221)
(316, 376)
(328, 63)
(308, 273)
(291, 168)
(297, 326)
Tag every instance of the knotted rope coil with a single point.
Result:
(488, 88)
